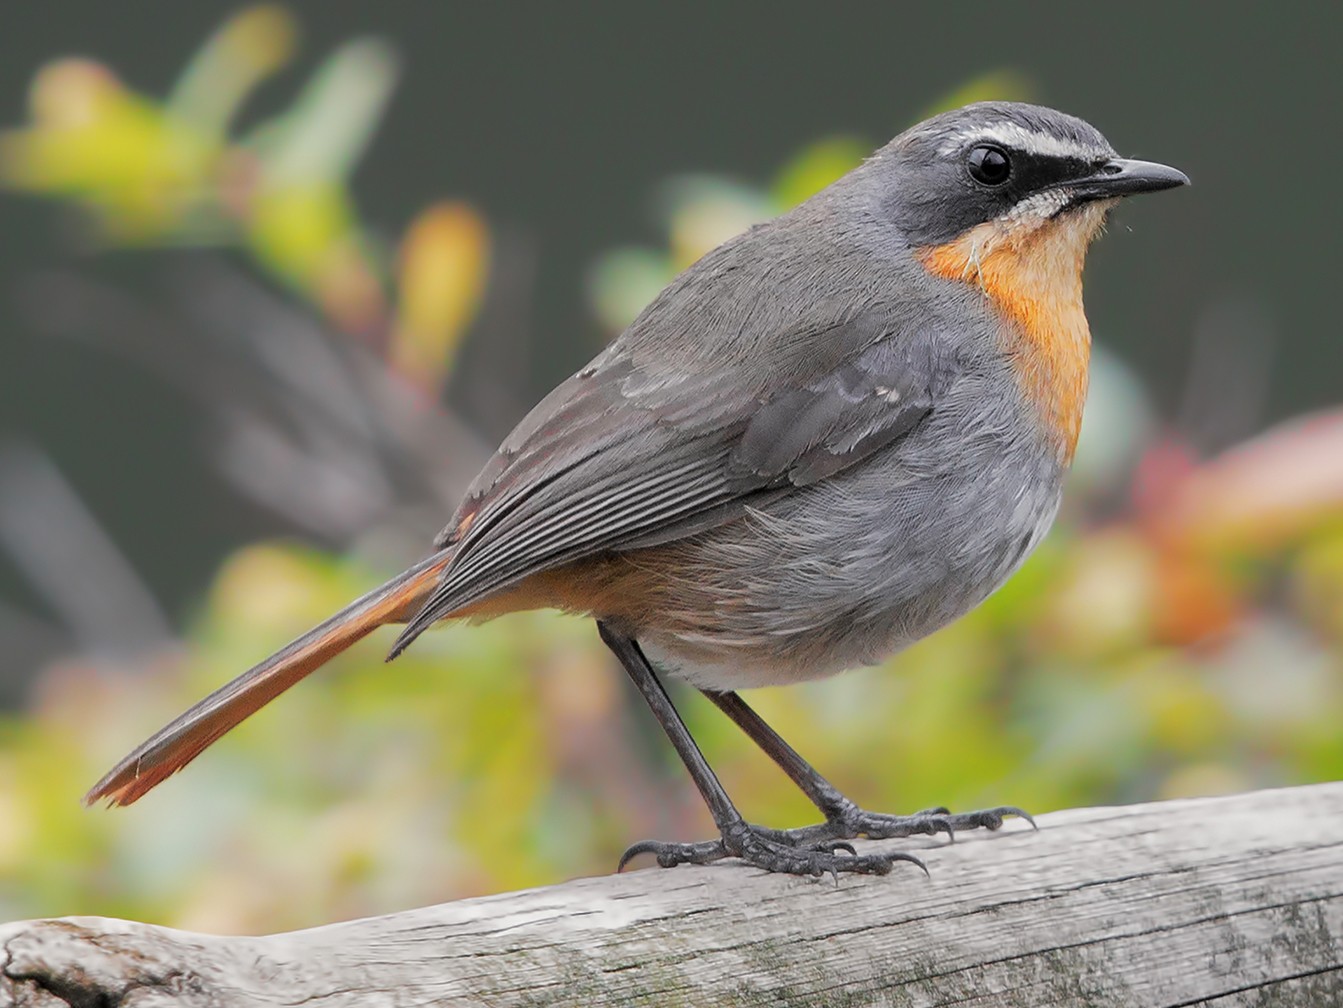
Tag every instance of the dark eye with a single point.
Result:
(989, 165)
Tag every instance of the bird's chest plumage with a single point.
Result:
(1031, 275)
(848, 572)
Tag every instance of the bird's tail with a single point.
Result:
(176, 745)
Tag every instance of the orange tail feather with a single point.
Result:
(177, 744)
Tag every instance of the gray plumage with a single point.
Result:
(826, 442)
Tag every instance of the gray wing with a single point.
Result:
(624, 455)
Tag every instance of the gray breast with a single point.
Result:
(847, 572)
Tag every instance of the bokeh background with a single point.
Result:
(273, 281)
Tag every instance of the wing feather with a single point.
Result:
(623, 455)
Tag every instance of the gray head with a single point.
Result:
(1003, 161)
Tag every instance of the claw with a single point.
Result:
(941, 824)
(669, 855)
(933, 822)
(991, 819)
(940, 810)
(917, 862)
(634, 850)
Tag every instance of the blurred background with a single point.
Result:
(274, 280)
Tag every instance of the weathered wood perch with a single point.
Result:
(1223, 901)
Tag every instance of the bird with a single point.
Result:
(829, 437)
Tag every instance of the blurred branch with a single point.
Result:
(67, 556)
(313, 427)
(1112, 906)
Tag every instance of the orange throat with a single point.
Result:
(1030, 268)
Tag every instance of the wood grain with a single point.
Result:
(1225, 901)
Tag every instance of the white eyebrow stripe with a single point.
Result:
(1011, 134)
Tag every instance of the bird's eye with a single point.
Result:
(989, 165)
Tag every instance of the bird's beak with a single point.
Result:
(1124, 177)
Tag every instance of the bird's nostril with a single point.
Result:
(1111, 168)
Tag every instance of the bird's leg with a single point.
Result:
(843, 819)
(762, 848)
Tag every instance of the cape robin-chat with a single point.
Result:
(826, 439)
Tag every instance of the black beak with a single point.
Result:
(1124, 177)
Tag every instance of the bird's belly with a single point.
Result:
(846, 574)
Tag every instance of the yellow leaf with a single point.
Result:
(92, 139)
(443, 268)
(294, 227)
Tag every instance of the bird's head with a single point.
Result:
(1003, 175)
(1007, 198)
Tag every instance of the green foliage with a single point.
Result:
(511, 754)
(173, 172)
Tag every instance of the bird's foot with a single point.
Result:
(850, 821)
(772, 850)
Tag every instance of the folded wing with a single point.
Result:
(624, 455)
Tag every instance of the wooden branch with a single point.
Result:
(1223, 901)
